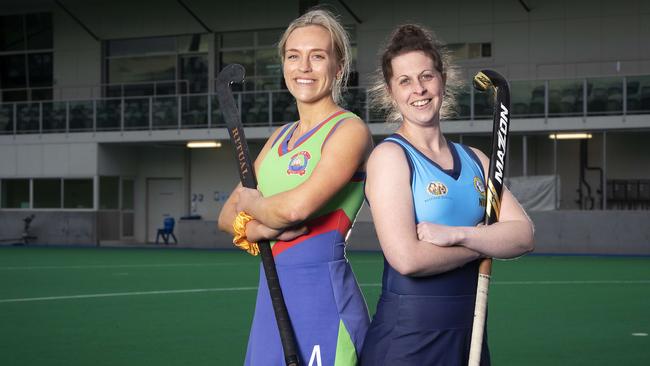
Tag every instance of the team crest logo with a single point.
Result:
(437, 188)
(478, 184)
(480, 187)
(298, 163)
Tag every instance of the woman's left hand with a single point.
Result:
(246, 198)
(440, 235)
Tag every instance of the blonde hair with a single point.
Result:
(340, 43)
(407, 38)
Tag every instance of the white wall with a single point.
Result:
(117, 160)
(48, 160)
(214, 174)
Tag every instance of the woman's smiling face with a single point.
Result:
(309, 66)
(416, 87)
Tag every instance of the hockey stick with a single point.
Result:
(484, 80)
(234, 73)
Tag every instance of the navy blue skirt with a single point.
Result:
(421, 330)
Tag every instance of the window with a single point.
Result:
(47, 193)
(78, 193)
(26, 57)
(15, 193)
(109, 195)
(155, 66)
(56, 193)
(468, 51)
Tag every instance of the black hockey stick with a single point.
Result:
(483, 81)
(234, 73)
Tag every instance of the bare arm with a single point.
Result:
(388, 189)
(342, 155)
(511, 237)
(255, 230)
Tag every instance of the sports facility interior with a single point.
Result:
(115, 163)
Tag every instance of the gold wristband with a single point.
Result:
(240, 240)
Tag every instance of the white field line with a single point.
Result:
(251, 288)
(110, 266)
(137, 293)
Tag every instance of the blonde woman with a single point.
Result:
(310, 175)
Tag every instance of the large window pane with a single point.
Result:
(483, 106)
(244, 58)
(39, 31)
(12, 72)
(269, 37)
(6, 118)
(78, 193)
(268, 63)
(15, 193)
(237, 39)
(136, 113)
(604, 96)
(108, 114)
(40, 69)
(527, 98)
(284, 108)
(109, 193)
(141, 46)
(54, 116)
(12, 37)
(193, 43)
(47, 193)
(194, 70)
(565, 97)
(165, 112)
(255, 108)
(27, 117)
(195, 111)
(81, 116)
(137, 69)
(638, 94)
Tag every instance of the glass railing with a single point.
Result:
(159, 111)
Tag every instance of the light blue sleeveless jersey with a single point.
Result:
(449, 197)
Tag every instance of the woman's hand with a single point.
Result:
(246, 198)
(256, 231)
(440, 235)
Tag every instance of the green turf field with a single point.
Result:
(64, 306)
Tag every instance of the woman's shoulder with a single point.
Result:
(389, 150)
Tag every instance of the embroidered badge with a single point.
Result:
(298, 163)
(480, 187)
(437, 189)
(478, 184)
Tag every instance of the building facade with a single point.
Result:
(99, 98)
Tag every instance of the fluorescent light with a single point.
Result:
(203, 144)
(570, 136)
